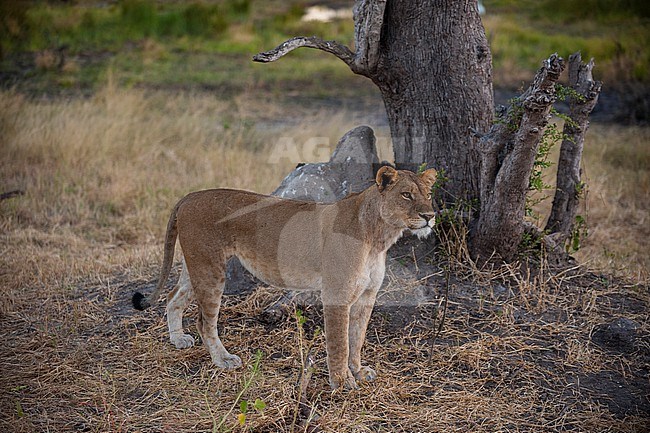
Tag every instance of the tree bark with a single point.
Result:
(508, 152)
(432, 63)
(435, 76)
(569, 187)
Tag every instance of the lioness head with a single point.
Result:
(406, 199)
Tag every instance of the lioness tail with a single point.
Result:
(141, 302)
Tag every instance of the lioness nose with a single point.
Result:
(427, 216)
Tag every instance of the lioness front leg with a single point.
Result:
(359, 318)
(337, 319)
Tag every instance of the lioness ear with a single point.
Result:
(429, 176)
(385, 177)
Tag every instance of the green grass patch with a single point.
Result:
(206, 44)
(615, 33)
(44, 25)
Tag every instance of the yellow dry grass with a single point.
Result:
(616, 170)
(100, 176)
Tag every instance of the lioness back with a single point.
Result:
(278, 240)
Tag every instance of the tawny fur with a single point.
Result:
(338, 249)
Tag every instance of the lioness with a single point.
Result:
(339, 249)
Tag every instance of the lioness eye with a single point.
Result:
(407, 195)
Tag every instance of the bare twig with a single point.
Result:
(11, 194)
(303, 411)
(415, 260)
(444, 315)
(332, 47)
(368, 20)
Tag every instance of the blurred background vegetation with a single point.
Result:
(112, 110)
(62, 47)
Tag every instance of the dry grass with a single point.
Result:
(90, 364)
(616, 169)
(100, 176)
(618, 206)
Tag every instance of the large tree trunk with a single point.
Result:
(435, 76)
(431, 62)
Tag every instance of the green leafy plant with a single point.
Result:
(578, 233)
(259, 405)
(551, 136)
(530, 242)
(580, 189)
(536, 182)
(441, 180)
(564, 93)
(19, 410)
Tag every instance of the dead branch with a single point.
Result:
(332, 47)
(569, 187)
(11, 194)
(536, 102)
(507, 156)
(512, 141)
(368, 20)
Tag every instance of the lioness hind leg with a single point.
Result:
(177, 301)
(359, 318)
(208, 293)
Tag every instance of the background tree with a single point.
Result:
(431, 61)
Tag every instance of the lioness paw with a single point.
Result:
(365, 374)
(182, 341)
(228, 361)
(343, 380)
